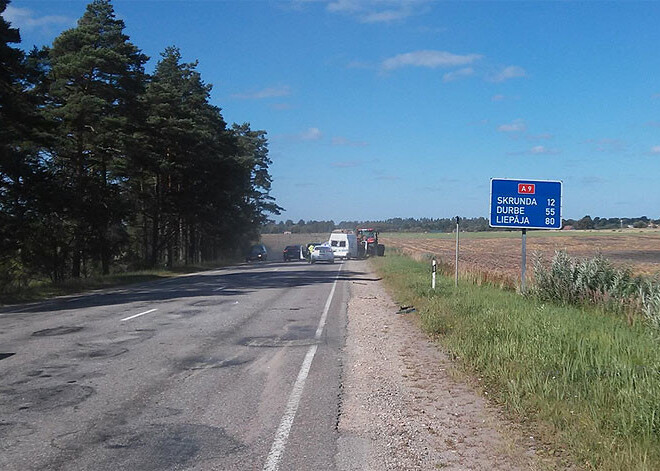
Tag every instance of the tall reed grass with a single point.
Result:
(573, 281)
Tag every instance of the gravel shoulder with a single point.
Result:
(402, 409)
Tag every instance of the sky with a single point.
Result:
(377, 109)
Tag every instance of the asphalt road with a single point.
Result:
(238, 368)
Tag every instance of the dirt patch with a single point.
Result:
(404, 407)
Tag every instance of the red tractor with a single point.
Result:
(368, 245)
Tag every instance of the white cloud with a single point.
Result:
(512, 71)
(24, 18)
(377, 11)
(543, 136)
(655, 150)
(537, 150)
(342, 141)
(311, 134)
(457, 74)
(387, 16)
(517, 125)
(344, 6)
(429, 58)
(271, 92)
(608, 145)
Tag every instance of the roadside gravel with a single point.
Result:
(401, 407)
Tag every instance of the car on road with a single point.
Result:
(322, 253)
(257, 253)
(344, 244)
(292, 252)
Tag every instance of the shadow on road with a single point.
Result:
(249, 277)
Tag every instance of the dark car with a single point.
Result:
(292, 252)
(257, 253)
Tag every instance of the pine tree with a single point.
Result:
(96, 77)
(20, 170)
(186, 139)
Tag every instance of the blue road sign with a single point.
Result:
(525, 204)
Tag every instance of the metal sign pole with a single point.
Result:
(524, 261)
(456, 271)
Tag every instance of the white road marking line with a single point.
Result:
(282, 434)
(219, 288)
(324, 316)
(138, 315)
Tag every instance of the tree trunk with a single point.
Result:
(155, 227)
(103, 236)
(76, 258)
(105, 257)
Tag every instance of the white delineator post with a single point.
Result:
(433, 270)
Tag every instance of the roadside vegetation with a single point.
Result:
(596, 281)
(583, 378)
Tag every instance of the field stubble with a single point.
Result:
(500, 257)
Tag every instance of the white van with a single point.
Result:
(344, 245)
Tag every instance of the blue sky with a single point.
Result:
(378, 109)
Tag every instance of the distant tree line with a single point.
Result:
(477, 224)
(388, 225)
(587, 222)
(103, 166)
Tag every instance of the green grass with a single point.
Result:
(584, 380)
(39, 290)
(517, 235)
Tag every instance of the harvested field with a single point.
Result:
(498, 254)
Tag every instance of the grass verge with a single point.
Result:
(40, 290)
(585, 380)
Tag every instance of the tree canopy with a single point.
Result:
(104, 167)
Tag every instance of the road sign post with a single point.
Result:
(525, 204)
(524, 261)
(456, 264)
